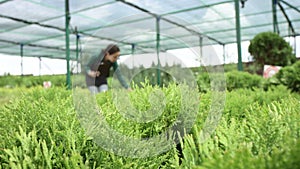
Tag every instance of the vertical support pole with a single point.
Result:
(132, 54)
(40, 65)
(238, 34)
(200, 52)
(224, 56)
(201, 46)
(295, 45)
(67, 17)
(21, 52)
(158, 48)
(275, 22)
(77, 50)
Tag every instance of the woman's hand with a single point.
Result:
(94, 73)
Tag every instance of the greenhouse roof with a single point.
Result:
(38, 26)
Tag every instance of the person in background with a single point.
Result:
(98, 68)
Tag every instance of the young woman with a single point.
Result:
(98, 68)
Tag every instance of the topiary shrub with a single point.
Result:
(269, 48)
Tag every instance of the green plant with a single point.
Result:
(266, 137)
(269, 48)
(258, 129)
(41, 129)
(238, 79)
(31, 81)
(290, 76)
(230, 81)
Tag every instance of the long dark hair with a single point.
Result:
(111, 49)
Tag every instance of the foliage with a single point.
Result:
(268, 48)
(151, 77)
(258, 129)
(290, 76)
(230, 81)
(140, 75)
(227, 67)
(203, 82)
(31, 81)
(254, 135)
(39, 127)
(41, 130)
(8, 95)
(238, 79)
(239, 100)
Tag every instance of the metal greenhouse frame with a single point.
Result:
(57, 29)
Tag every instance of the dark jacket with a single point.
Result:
(97, 63)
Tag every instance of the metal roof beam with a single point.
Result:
(16, 54)
(291, 6)
(192, 31)
(36, 40)
(59, 16)
(93, 7)
(223, 30)
(104, 38)
(118, 24)
(31, 22)
(196, 8)
(248, 27)
(60, 29)
(167, 20)
(32, 45)
(224, 19)
(287, 18)
(260, 13)
(110, 39)
(137, 20)
(44, 56)
(2, 2)
(231, 42)
(229, 18)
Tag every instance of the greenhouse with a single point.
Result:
(213, 115)
(136, 24)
